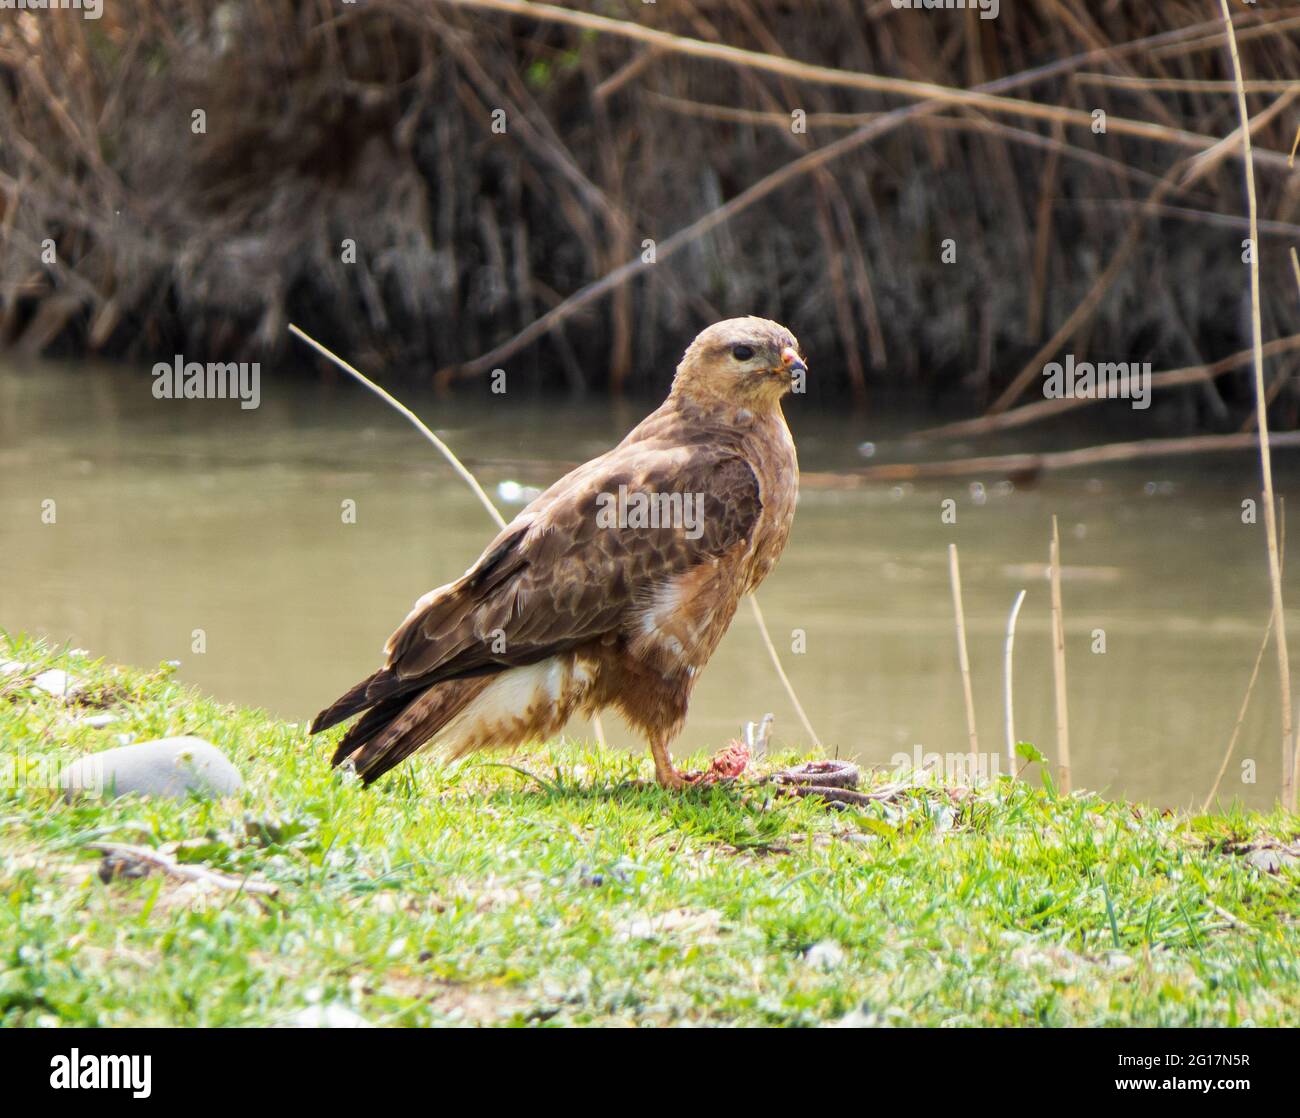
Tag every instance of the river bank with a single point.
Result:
(559, 887)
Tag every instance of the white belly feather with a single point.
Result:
(518, 705)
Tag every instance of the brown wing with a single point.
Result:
(561, 574)
(567, 571)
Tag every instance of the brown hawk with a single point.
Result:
(612, 588)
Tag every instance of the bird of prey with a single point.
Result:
(612, 588)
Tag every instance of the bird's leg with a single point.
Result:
(665, 774)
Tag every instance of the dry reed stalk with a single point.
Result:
(1042, 237)
(1290, 757)
(846, 79)
(1058, 666)
(1180, 176)
(1254, 675)
(1082, 26)
(1274, 25)
(419, 424)
(1211, 157)
(970, 122)
(963, 659)
(1008, 692)
(1030, 464)
(839, 290)
(1241, 715)
(1280, 381)
(780, 671)
(1045, 409)
(1180, 85)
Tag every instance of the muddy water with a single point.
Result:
(177, 516)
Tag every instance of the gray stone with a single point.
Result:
(173, 767)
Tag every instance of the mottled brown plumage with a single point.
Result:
(611, 589)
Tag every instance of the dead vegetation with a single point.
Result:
(374, 125)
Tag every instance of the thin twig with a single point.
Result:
(1029, 464)
(963, 659)
(780, 671)
(442, 448)
(972, 120)
(1290, 757)
(1241, 715)
(1180, 85)
(1007, 676)
(1254, 675)
(1044, 409)
(1058, 666)
(188, 871)
(1228, 916)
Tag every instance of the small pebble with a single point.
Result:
(57, 682)
(827, 955)
(332, 1016)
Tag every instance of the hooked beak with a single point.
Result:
(791, 362)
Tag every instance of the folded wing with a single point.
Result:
(576, 564)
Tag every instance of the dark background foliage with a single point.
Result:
(373, 123)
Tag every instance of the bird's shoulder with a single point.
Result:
(665, 455)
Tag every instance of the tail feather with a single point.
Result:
(374, 721)
(395, 728)
(374, 689)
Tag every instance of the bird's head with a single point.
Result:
(745, 362)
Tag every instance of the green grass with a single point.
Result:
(575, 896)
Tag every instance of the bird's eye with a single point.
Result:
(743, 352)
